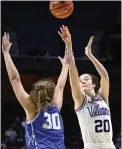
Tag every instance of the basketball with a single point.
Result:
(61, 9)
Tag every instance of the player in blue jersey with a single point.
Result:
(90, 99)
(44, 126)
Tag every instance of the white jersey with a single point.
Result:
(95, 123)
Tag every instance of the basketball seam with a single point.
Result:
(66, 13)
(61, 6)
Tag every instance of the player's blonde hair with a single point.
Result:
(42, 93)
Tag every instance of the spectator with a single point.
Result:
(10, 135)
(3, 145)
(118, 141)
(20, 139)
(18, 126)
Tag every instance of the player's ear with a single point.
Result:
(94, 85)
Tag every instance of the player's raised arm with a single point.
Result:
(13, 74)
(77, 94)
(104, 83)
(58, 94)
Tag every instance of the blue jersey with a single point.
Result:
(46, 130)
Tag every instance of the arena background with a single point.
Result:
(36, 45)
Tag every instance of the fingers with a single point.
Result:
(90, 41)
(5, 41)
(62, 30)
(10, 45)
(60, 58)
(63, 26)
(60, 34)
(8, 37)
(67, 28)
(4, 34)
(5, 38)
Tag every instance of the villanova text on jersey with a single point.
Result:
(96, 110)
(46, 130)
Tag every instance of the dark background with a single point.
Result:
(31, 24)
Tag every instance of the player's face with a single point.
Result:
(86, 82)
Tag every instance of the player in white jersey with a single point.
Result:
(91, 100)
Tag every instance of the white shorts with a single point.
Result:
(109, 145)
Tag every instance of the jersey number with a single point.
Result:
(102, 126)
(52, 121)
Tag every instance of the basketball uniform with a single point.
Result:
(45, 131)
(95, 123)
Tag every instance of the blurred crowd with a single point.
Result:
(13, 137)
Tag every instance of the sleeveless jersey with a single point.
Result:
(45, 131)
(95, 123)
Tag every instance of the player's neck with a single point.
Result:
(91, 93)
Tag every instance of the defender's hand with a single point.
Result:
(66, 61)
(65, 35)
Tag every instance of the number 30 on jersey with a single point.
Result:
(52, 121)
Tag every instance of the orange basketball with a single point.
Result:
(61, 9)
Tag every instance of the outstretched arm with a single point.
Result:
(13, 74)
(58, 94)
(104, 83)
(78, 95)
